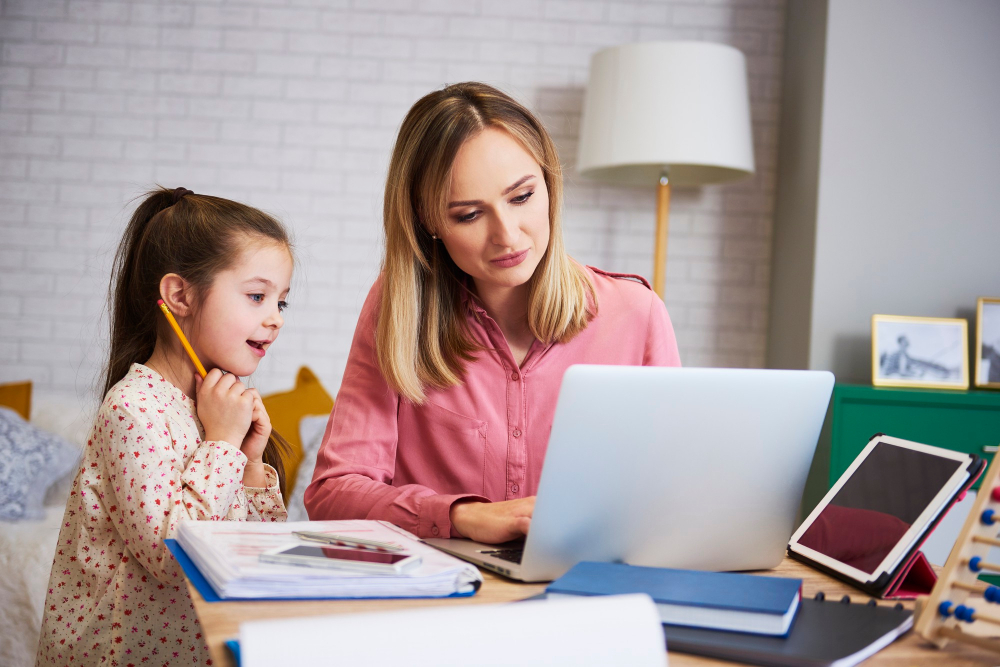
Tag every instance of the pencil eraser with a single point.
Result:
(159, 302)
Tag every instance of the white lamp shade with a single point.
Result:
(682, 107)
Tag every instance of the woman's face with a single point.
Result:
(497, 222)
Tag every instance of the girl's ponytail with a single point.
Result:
(133, 320)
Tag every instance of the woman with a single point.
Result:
(443, 418)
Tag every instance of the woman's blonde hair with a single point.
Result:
(421, 339)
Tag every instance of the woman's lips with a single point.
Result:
(510, 260)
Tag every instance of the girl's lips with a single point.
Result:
(256, 348)
(510, 260)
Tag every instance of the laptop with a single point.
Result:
(694, 468)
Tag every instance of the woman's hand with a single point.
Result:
(493, 522)
(224, 407)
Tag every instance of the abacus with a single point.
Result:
(943, 614)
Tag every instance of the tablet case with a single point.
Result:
(914, 575)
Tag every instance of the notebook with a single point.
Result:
(222, 560)
(826, 633)
(718, 600)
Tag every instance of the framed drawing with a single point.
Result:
(930, 352)
(988, 343)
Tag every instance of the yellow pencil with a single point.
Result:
(183, 338)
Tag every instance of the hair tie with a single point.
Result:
(179, 194)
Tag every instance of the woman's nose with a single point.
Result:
(506, 230)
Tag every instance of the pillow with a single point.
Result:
(288, 408)
(17, 396)
(70, 418)
(30, 461)
(311, 430)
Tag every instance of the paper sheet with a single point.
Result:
(612, 630)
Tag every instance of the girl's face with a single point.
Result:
(239, 316)
(497, 225)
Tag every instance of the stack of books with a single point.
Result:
(747, 618)
(227, 554)
(718, 600)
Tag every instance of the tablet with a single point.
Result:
(882, 507)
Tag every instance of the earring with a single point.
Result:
(434, 236)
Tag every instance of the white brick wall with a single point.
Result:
(292, 105)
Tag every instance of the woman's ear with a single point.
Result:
(177, 293)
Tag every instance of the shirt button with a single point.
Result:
(515, 488)
(434, 530)
(515, 377)
(516, 433)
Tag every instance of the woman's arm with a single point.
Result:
(661, 344)
(357, 462)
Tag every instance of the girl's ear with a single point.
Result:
(177, 293)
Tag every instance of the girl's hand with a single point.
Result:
(493, 523)
(260, 429)
(224, 407)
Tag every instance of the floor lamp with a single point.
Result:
(666, 113)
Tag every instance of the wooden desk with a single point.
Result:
(221, 620)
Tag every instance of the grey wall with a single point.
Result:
(906, 213)
(793, 258)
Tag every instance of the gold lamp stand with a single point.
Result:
(662, 225)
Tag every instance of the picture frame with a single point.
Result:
(988, 342)
(923, 352)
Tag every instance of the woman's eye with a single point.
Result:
(468, 217)
(257, 298)
(520, 199)
(282, 305)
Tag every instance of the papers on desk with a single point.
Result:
(612, 630)
(228, 555)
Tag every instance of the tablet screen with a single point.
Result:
(877, 505)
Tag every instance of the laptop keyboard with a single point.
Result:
(513, 555)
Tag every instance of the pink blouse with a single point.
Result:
(386, 458)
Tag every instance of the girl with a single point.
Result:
(157, 456)
(443, 417)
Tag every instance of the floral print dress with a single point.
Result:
(116, 595)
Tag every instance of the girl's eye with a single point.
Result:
(520, 199)
(257, 298)
(282, 305)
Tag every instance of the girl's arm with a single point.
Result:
(264, 503)
(153, 488)
(356, 464)
(260, 481)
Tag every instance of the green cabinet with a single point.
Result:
(967, 421)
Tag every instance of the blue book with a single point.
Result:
(717, 600)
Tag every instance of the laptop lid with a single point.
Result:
(697, 468)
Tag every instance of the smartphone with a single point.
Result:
(341, 558)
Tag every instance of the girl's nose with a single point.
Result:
(275, 320)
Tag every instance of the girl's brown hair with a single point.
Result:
(194, 236)
(421, 339)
